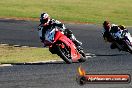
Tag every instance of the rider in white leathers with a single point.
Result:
(47, 23)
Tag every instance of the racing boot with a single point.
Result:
(76, 42)
(78, 45)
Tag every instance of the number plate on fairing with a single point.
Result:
(49, 35)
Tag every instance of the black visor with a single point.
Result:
(43, 20)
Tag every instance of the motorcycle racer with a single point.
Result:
(113, 32)
(47, 23)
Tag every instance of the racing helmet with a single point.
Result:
(44, 18)
(106, 25)
(122, 27)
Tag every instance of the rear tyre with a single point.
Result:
(64, 53)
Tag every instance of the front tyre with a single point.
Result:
(64, 53)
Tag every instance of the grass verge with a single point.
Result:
(10, 54)
(93, 11)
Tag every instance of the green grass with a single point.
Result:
(10, 54)
(95, 11)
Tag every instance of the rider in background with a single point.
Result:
(113, 31)
(47, 23)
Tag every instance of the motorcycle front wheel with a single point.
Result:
(64, 53)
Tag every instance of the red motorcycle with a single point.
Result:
(64, 47)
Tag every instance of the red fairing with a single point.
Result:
(74, 53)
(58, 34)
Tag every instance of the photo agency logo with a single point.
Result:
(83, 78)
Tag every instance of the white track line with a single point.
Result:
(4, 44)
(90, 55)
(48, 61)
(5, 65)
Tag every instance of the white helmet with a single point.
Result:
(44, 18)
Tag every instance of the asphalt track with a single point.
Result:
(59, 74)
